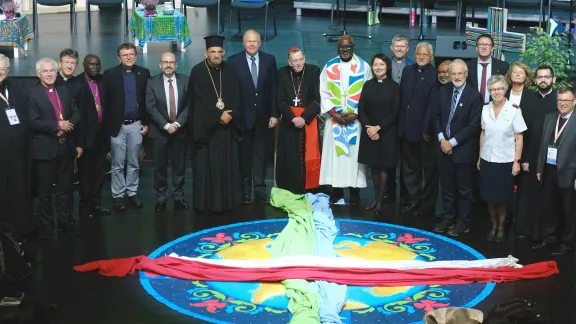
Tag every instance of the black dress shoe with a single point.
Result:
(71, 229)
(443, 226)
(160, 206)
(100, 210)
(413, 207)
(522, 237)
(136, 202)
(372, 205)
(354, 201)
(261, 197)
(119, 204)
(181, 204)
(564, 249)
(541, 247)
(47, 233)
(459, 229)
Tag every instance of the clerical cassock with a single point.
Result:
(214, 99)
(15, 159)
(298, 150)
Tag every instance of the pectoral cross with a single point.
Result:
(296, 101)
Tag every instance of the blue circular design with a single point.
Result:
(243, 302)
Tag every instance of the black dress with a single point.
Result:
(379, 105)
(215, 164)
(15, 163)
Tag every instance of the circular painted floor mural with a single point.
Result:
(243, 302)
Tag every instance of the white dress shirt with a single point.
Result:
(488, 75)
(515, 99)
(499, 144)
(167, 92)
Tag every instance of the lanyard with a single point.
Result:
(558, 133)
(5, 98)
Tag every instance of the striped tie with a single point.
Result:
(452, 110)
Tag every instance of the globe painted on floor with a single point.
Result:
(272, 294)
(247, 303)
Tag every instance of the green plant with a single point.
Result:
(543, 49)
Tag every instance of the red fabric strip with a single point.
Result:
(194, 270)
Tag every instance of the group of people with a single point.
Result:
(467, 129)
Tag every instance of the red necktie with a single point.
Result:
(483, 83)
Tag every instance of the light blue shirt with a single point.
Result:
(257, 61)
(453, 141)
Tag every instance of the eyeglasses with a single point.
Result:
(422, 55)
(565, 101)
(484, 45)
(169, 62)
(497, 89)
(547, 77)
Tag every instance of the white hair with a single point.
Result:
(44, 61)
(5, 59)
(458, 62)
(496, 78)
(430, 48)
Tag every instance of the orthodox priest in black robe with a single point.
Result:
(15, 157)
(216, 128)
(298, 150)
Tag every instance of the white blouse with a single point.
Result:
(515, 99)
(499, 144)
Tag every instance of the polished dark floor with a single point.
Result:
(90, 298)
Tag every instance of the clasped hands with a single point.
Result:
(172, 128)
(446, 146)
(225, 118)
(65, 127)
(298, 122)
(372, 132)
(344, 118)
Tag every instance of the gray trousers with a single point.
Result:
(125, 147)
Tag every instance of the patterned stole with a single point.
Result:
(345, 100)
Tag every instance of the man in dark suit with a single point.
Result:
(88, 89)
(457, 125)
(53, 118)
(557, 172)
(483, 67)
(126, 121)
(256, 73)
(68, 63)
(167, 106)
(419, 87)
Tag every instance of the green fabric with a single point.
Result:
(297, 238)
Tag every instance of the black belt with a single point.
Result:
(61, 140)
(130, 121)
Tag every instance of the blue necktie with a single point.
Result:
(254, 72)
(452, 110)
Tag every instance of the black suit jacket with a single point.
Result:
(157, 107)
(87, 106)
(497, 67)
(44, 123)
(465, 126)
(566, 155)
(113, 95)
(418, 101)
(258, 103)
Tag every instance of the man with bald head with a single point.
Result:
(444, 72)
(256, 72)
(341, 83)
(88, 88)
(167, 106)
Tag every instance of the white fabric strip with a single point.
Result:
(343, 262)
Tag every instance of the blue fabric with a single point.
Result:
(130, 100)
(332, 297)
(252, 0)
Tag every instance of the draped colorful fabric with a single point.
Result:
(312, 153)
(345, 100)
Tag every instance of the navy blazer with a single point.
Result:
(498, 67)
(417, 103)
(465, 126)
(258, 103)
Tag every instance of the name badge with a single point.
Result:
(551, 156)
(12, 116)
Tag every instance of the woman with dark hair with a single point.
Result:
(378, 113)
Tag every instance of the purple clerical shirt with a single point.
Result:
(56, 105)
(96, 95)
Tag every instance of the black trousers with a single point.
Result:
(58, 171)
(91, 172)
(529, 205)
(174, 148)
(560, 206)
(253, 149)
(456, 183)
(420, 172)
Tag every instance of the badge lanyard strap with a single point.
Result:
(558, 133)
(5, 98)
